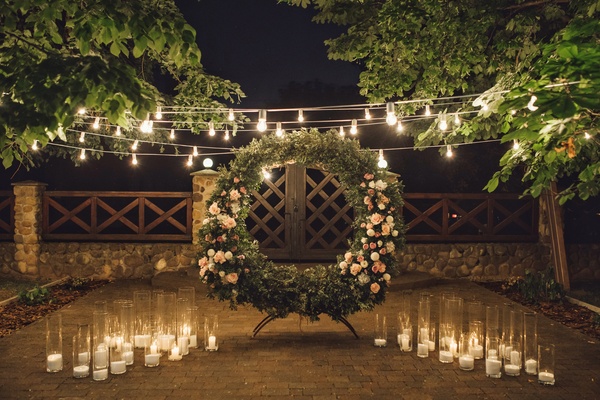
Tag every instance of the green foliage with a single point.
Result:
(235, 270)
(59, 55)
(423, 50)
(540, 286)
(36, 295)
(74, 283)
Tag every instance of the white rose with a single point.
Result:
(228, 255)
(380, 185)
(371, 184)
(364, 278)
(210, 253)
(381, 206)
(387, 277)
(235, 208)
(211, 266)
(389, 219)
(364, 263)
(379, 243)
(206, 221)
(363, 240)
(395, 233)
(222, 274)
(343, 265)
(374, 256)
(390, 247)
(370, 232)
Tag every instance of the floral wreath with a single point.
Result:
(235, 269)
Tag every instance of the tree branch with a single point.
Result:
(34, 45)
(533, 4)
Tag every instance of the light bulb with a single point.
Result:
(118, 131)
(367, 114)
(34, 146)
(82, 137)
(427, 110)
(211, 128)
(190, 160)
(96, 124)
(133, 159)
(382, 163)
(443, 124)
(449, 151)
(195, 152)
(515, 145)
(207, 162)
(82, 154)
(231, 115)
(342, 133)
(513, 112)
(531, 105)
(300, 115)
(262, 121)
(134, 146)
(399, 127)
(391, 118)
(158, 113)
(266, 174)
(587, 135)
(354, 127)
(484, 107)
(226, 134)
(279, 131)
(81, 111)
(172, 136)
(456, 119)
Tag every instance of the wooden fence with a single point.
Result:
(7, 215)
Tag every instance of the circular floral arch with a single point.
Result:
(235, 270)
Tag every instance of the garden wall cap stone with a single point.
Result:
(29, 183)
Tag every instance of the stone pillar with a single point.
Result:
(203, 184)
(28, 225)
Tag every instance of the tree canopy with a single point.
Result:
(59, 56)
(536, 64)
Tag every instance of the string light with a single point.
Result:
(399, 127)
(266, 174)
(427, 110)
(367, 114)
(513, 112)
(82, 154)
(82, 137)
(342, 132)
(231, 116)
(390, 118)
(300, 115)
(354, 127)
(96, 124)
(211, 128)
(118, 131)
(586, 136)
(262, 121)
(158, 113)
(133, 159)
(443, 124)
(530, 105)
(34, 146)
(81, 111)
(382, 163)
(195, 151)
(449, 153)
(227, 134)
(147, 124)
(515, 145)
(456, 119)
(484, 107)
(279, 130)
(190, 160)
(134, 146)
(172, 135)
(207, 162)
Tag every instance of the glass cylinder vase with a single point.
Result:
(492, 321)
(211, 333)
(142, 311)
(81, 352)
(54, 350)
(475, 338)
(530, 346)
(193, 313)
(546, 364)
(123, 310)
(152, 353)
(423, 327)
(493, 357)
(404, 324)
(183, 325)
(166, 303)
(466, 361)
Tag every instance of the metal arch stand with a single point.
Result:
(265, 321)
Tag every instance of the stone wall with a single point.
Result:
(113, 260)
(482, 260)
(8, 265)
(584, 262)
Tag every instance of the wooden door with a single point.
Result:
(300, 214)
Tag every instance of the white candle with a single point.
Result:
(424, 334)
(466, 362)
(54, 363)
(531, 366)
(193, 341)
(128, 357)
(515, 358)
(117, 367)
(101, 358)
(446, 356)
(119, 343)
(83, 358)
(100, 374)
(175, 355)
(512, 370)
(477, 351)
(507, 350)
(493, 353)
(431, 345)
(546, 378)
(422, 350)
(454, 349)
(212, 342)
(141, 341)
(152, 360)
(378, 343)
(183, 343)
(492, 367)
(81, 371)
(153, 349)
(165, 342)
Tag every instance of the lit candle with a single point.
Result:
(431, 345)
(193, 341)
(165, 342)
(477, 351)
(175, 355)
(212, 342)
(531, 366)
(128, 357)
(512, 369)
(466, 362)
(100, 374)
(446, 356)
(153, 349)
(546, 378)
(152, 360)
(83, 358)
(492, 368)
(101, 358)
(183, 343)
(141, 341)
(378, 343)
(54, 363)
(454, 349)
(117, 367)
(81, 371)
(423, 350)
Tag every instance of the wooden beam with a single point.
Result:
(559, 254)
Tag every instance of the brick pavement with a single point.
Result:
(292, 359)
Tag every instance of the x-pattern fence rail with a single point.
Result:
(141, 216)
(7, 215)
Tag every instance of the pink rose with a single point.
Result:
(232, 278)
(369, 176)
(375, 268)
(214, 209)
(219, 257)
(229, 223)
(360, 258)
(233, 249)
(370, 207)
(202, 272)
(241, 257)
(363, 225)
(377, 234)
(362, 184)
(223, 193)
(376, 218)
(372, 245)
(371, 192)
(220, 239)
(236, 180)
(235, 237)
(375, 287)
(365, 246)
(234, 195)
(382, 251)
(203, 262)
(355, 269)
(367, 200)
(243, 190)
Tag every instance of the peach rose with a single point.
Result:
(214, 209)
(236, 180)
(234, 195)
(232, 278)
(229, 223)
(375, 287)
(219, 257)
(376, 218)
(355, 269)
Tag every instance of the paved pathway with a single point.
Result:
(290, 359)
